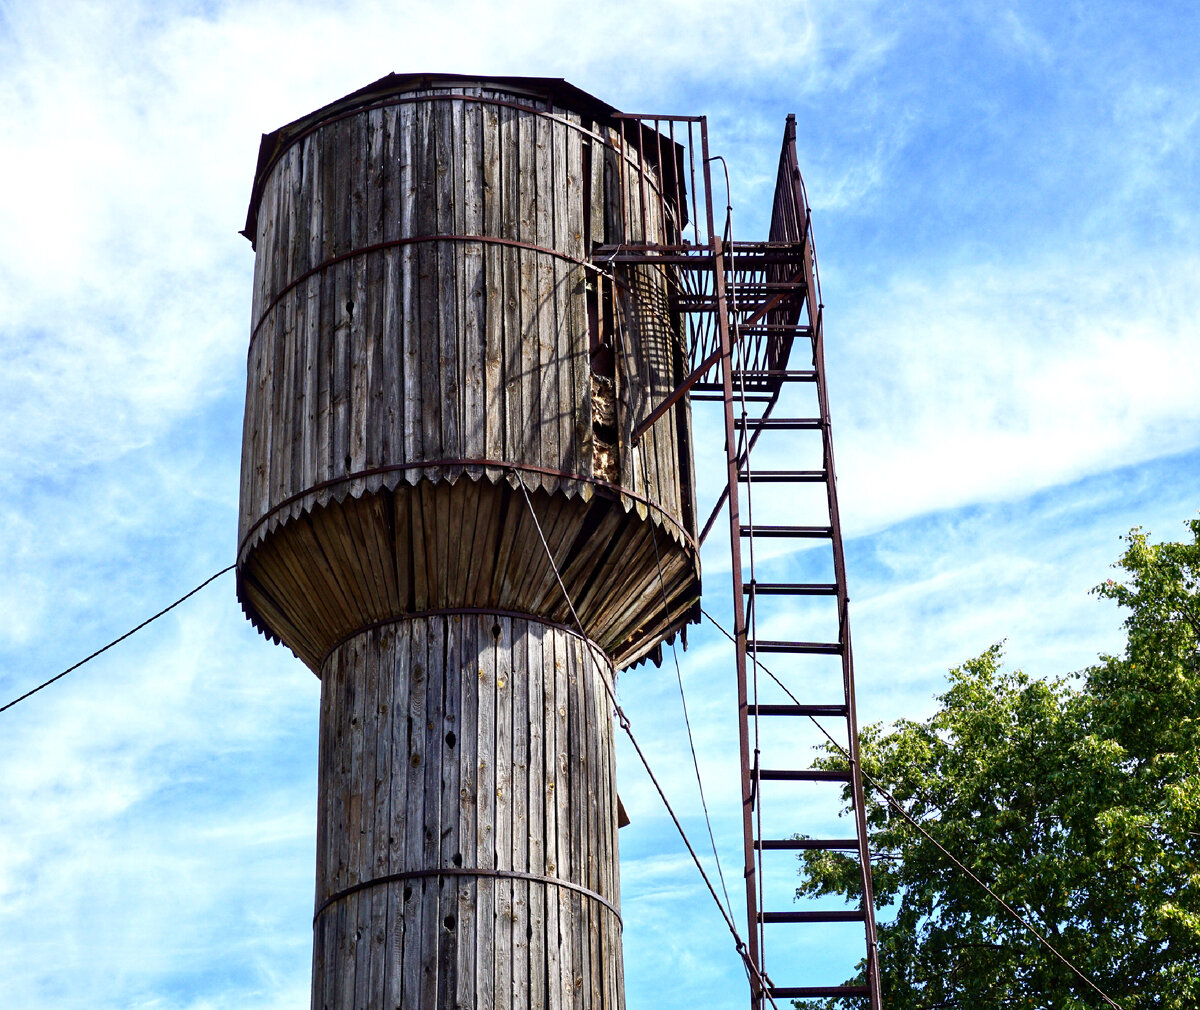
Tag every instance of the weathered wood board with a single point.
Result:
(468, 810)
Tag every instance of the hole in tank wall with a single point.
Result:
(606, 464)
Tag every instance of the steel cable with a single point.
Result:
(115, 641)
(662, 582)
(623, 720)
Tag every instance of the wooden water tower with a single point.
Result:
(433, 388)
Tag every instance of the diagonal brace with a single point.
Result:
(698, 372)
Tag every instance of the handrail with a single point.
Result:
(791, 221)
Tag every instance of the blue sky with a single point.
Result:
(1006, 207)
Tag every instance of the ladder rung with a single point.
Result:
(796, 710)
(800, 648)
(802, 775)
(767, 844)
(791, 588)
(783, 476)
(799, 532)
(776, 375)
(658, 256)
(852, 915)
(759, 330)
(777, 423)
(757, 287)
(817, 991)
(710, 392)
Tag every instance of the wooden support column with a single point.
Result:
(467, 821)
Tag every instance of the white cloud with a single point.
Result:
(996, 379)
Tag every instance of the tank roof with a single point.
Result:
(554, 89)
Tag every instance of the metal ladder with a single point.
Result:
(747, 306)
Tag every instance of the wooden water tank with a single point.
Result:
(431, 367)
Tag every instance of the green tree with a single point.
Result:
(1077, 800)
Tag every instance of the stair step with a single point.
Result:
(796, 710)
(799, 532)
(800, 648)
(744, 288)
(775, 375)
(802, 775)
(792, 844)
(817, 991)
(852, 915)
(777, 423)
(784, 476)
(761, 329)
(710, 393)
(791, 588)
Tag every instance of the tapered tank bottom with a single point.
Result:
(467, 822)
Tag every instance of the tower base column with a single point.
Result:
(467, 820)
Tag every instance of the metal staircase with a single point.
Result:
(749, 309)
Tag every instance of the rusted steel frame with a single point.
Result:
(743, 459)
(694, 377)
(787, 254)
(702, 324)
(679, 392)
(692, 176)
(772, 303)
(641, 162)
(800, 202)
(417, 615)
(644, 121)
(675, 255)
(789, 223)
(397, 243)
(606, 488)
(750, 865)
(663, 208)
(464, 871)
(680, 197)
(785, 210)
(839, 569)
(791, 195)
(698, 372)
(657, 115)
(622, 186)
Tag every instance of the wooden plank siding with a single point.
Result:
(441, 737)
(373, 354)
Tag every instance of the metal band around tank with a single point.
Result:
(606, 487)
(398, 243)
(418, 615)
(460, 871)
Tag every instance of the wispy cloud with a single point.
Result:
(1012, 377)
